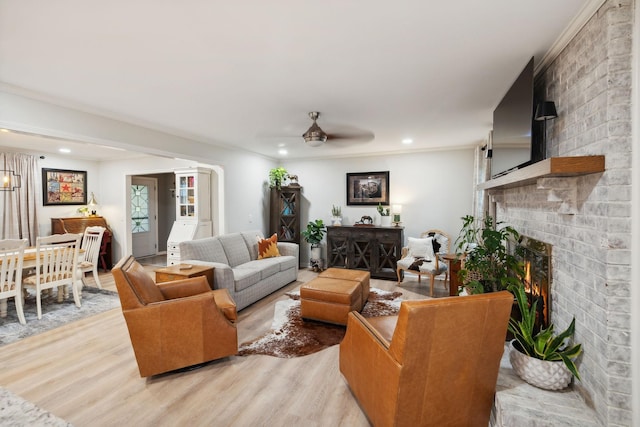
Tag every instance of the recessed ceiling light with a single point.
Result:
(64, 150)
(407, 141)
(282, 144)
(283, 152)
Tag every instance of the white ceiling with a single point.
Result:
(246, 73)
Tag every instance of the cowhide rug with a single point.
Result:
(291, 336)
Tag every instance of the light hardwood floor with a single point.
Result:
(85, 373)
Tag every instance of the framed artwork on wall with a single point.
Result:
(64, 187)
(368, 188)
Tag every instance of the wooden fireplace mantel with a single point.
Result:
(547, 168)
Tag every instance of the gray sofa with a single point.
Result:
(237, 267)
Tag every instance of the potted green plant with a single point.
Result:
(277, 177)
(488, 264)
(336, 215)
(385, 215)
(542, 359)
(314, 234)
(469, 234)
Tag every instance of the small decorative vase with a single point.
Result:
(545, 374)
(336, 220)
(385, 221)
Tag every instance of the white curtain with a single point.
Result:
(18, 215)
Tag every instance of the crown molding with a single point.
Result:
(579, 21)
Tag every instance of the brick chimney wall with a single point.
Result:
(587, 219)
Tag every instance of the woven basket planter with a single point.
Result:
(545, 374)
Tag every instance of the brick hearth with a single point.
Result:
(520, 404)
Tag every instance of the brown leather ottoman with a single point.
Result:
(330, 300)
(363, 277)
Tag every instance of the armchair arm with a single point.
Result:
(184, 287)
(375, 334)
(405, 251)
(222, 274)
(372, 373)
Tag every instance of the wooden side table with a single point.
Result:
(455, 265)
(178, 271)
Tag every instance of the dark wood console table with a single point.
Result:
(375, 249)
(78, 224)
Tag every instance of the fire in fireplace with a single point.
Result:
(536, 259)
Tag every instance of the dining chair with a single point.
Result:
(56, 266)
(91, 244)
(11, 258)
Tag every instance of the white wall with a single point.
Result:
(241, 176)
(434, 189)
(243, 179)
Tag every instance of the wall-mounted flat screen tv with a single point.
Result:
(512, 140)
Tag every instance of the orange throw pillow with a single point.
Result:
(268, 248)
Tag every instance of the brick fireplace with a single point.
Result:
(587, 218)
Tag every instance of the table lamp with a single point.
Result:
(397, 210)
(92, 204)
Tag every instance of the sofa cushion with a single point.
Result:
(244, 277)
(267, 267)
(268, 248)
(235, 248)
(208, 249)
(217, 252)
(287, 263)
(250, 238)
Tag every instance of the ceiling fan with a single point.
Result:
(315, 136)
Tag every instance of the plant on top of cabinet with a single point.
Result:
(277, 176)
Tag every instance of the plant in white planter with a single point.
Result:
(314, 235)
(542, 359)
(385, 215)
(336, 215)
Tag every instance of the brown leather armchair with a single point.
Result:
(434, 364)
(174, 324)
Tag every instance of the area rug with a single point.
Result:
(291, 336)
(54, 314)
(16, 411)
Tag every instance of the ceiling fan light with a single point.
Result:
(315, 140)
(314, 136)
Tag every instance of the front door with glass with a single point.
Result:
(144, 229)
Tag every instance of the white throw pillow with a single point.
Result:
(421, 247)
